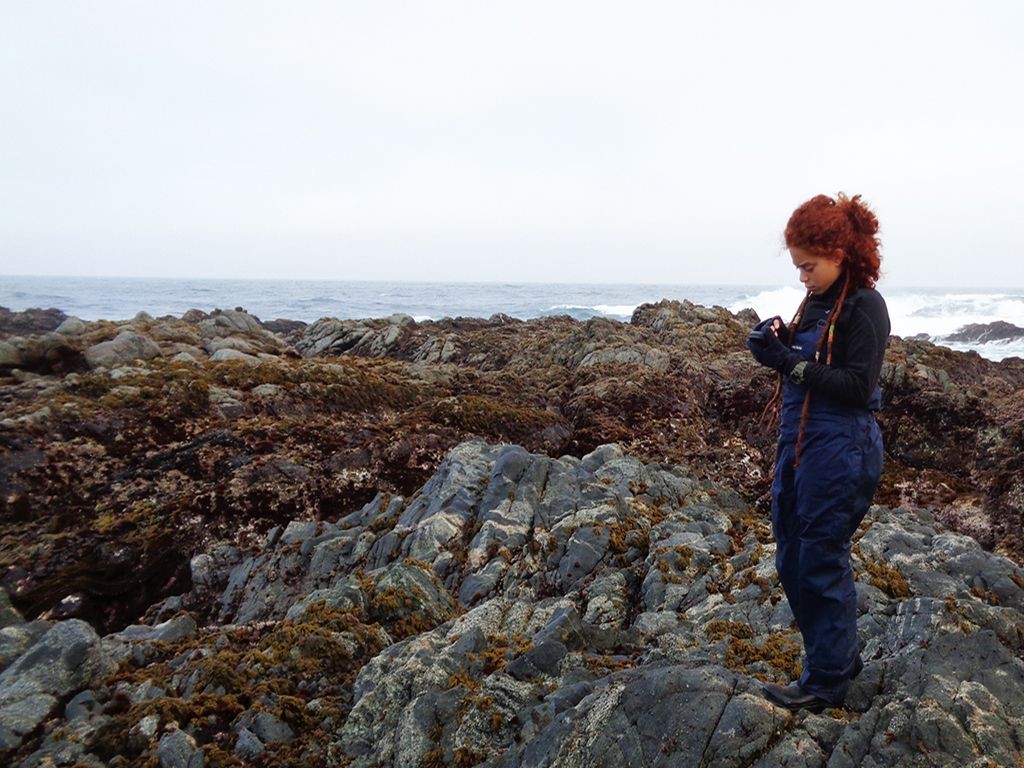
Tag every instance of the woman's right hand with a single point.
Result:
(772, 325)
(767, 345)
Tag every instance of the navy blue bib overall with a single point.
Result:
(816, 509)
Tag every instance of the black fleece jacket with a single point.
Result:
(862, 334)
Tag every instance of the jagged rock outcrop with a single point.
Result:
(102, 466)
(47, 341)
(621, 613)
(65, 659)
(372, 338)
(305, 540)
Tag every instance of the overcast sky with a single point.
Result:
(513, 141)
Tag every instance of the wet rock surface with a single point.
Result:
(479, 542)
(983, 333)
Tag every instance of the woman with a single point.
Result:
(829, 454)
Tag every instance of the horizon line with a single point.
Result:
(772, 286)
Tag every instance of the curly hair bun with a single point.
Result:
(824, 225)
(861, 217)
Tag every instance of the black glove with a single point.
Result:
(768, 349)
(777, 325)
(757, 334)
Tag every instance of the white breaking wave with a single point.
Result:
(940, 315)
(993, 350)
(616, 310)
(768, 303)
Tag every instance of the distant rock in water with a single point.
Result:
(33, 320)
(982, 333)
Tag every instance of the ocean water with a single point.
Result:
(930, 311)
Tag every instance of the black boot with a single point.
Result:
(793, 697)
(858, 666)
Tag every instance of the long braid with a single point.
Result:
(770, 414)
(828, 341)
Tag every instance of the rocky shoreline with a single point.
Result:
(477, 542)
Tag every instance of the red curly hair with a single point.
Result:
(824, 225)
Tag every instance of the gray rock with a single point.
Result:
(607, 600)
(125, 392)
(372, 338)
(233, 354)
(72, 326)
(387, 725)
(9, 615)
(344, 596)
(438, 349)
(147, 690)
(542, 659)
(483, 583)
(10, 356)
(43, 354)
(224, 322)
(210, 569)
(169, 631)
(194, 315)
(982, 333)
(634, 354)
(178, 750)
(691, 549)
(586, 547)
(122, 371)
(81, 706)
(266, 727)
(125, 347)
(65, 659)
(654, 623)
(144, 732)
(230, 342)
(565, 627)
(617, 613)
(559, 701)
(248, 746)
(227, 403)
(66, 747)
(268, 390)
(657, 717)
(419, 592)
(447, 502)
